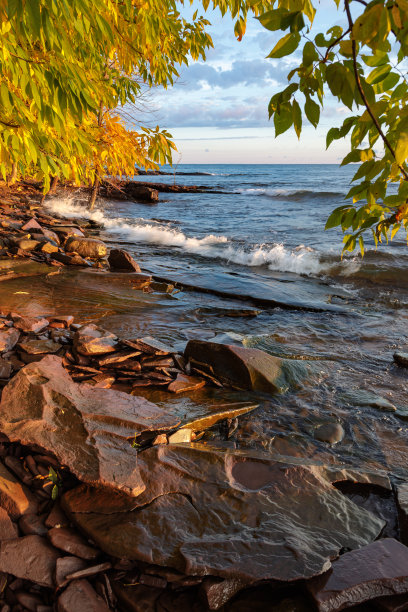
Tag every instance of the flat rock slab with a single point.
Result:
(71, 542)
(376, 570)
(88, 429)
(39, 347)
(239, 367)
(30, 558)
(225, 513)
(93, 340)
(15, 498)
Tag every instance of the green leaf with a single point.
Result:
(310, 54)
(297, 118)
(335, 218)
(401, 150)
(286, 45)
(54, 493)
(312, 110)
(378, 74)
(283, 120)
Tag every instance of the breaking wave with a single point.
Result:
(300, 260)
(290, 194)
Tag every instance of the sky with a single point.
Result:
(217, 110)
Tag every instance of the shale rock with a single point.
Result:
(8, 530)
(330, 432)
(30, 324)
(379, 569)
(71, 542)
(39, 347)
(8, 339)
(15, 498)
(30, 558)
(90, 430)
(79, 595)
(86, 247)
(92, 340)
(273, 520)
(121, 260)
(242, 368)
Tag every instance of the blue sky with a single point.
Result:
(217, 110)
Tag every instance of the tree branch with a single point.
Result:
(362, 94)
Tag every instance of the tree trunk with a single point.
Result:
(13, 176)
(54, 183)
(94, 192)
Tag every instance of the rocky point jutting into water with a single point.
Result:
(133, 472)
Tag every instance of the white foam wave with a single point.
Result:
(300, 260)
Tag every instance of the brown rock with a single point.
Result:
(8, 530)
(15, 498)
(5, 368)
(217, 592)
(93, 340)
(88, 429)
(181, 436)
(29, 558)
(86, 247)
(31, 225)
(186, 383)
(65, 231)
(242, 368)
(70, 541)
(30, 324)
(117, 357)
(274, 520)
(29, 601)
(136, 598)
(402, 502)
(27, 244)
(66, 566)
(90, 571)
(381, 568)
(8, 339)
(78, 596)
(332, 433)
(39, 347)
(401, 359)
(102, 381)
(395, 603)
(66, 320)
(149, 345)
(121, 260)
(48, 247)
(56, 517)
(32, 524)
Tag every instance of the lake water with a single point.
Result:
(261, 243)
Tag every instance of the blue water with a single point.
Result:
(261, 243)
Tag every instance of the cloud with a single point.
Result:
(241, 114)
(242, 72)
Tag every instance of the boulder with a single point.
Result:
(86, 247)
(236, 366)
(80, 595)
(376, 570)
(141, 192)
(29, 558)
(93, 340)
(88, 429)
(225, 513)
(332, 433)
(8, 339)
(122, 260)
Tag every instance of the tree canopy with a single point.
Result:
(67, 67)
(362, 65)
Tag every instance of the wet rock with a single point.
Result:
(15, 498)
(242, 368)
(29, 558)
(8, 339)
(122, 260)
(50, 248)
(117, 357)
(219, 413)
(80, 595)
(39, 347)
(274, 520)
(32, 524)
(88, 429)
(86, 247)
(149, 345)
(8, 530)
(5, 368)
(332, 433)
(70, 541)
(30, 324)
(66, 566)
(381, 568)
(65, 231)
(401, 359)
(185, 383)
(93, 340)
(66, 320)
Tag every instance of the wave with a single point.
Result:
(277, 257)
(293, 194)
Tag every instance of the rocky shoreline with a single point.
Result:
(111, 501)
